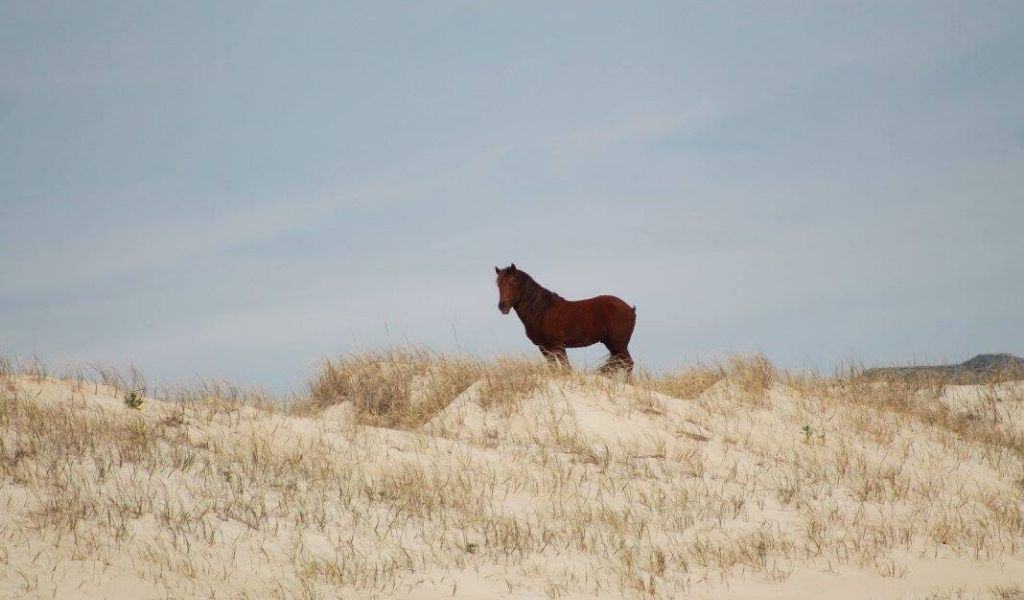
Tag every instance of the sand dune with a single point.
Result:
(731, 483)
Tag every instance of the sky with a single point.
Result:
(239, 190)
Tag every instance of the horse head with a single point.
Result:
(509, 287)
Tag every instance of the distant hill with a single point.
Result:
(983, 367)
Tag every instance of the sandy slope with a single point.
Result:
(580, 487)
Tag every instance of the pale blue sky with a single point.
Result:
(238, 189)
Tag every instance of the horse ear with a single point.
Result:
(497, 270)
(512, 268)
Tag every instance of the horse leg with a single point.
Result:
(563, 359)
(627, 362)
(556, 356)
(619, 358)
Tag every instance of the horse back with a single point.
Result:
(612, 306)
(575, 323)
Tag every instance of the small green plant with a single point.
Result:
(133, 399)
(809, 434)
(471, 547)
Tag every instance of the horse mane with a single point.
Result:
(534, 298)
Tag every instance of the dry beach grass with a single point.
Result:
(404, 473)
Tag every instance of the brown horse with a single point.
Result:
(554, 323)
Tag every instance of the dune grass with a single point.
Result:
(373, 483)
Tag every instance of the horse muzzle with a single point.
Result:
(504, 308)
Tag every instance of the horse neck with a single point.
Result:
(534, 302)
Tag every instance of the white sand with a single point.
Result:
(583, 488)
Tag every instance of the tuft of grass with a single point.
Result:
(133, 399)
(754, 374)
(685, 383)
(397, 388)
(507, 381)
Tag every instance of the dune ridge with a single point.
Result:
(406, 474)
